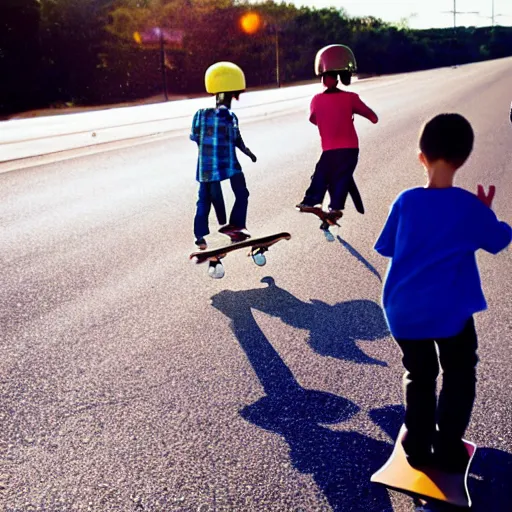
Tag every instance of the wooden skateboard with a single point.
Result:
(258, 247)
(428, 483)
(328, 219)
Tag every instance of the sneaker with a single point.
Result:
(451, 457)
(335, 214)
(303, 207)
(226, 229)
(240, 234)
(235, 233)
(417, 455)
(216, 270)
(201, 244)
(420, 459)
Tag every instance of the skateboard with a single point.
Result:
(427, 483)
(328, 219)
(258, 247)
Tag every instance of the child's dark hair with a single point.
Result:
(447, 137)
(344, 76)
(225, 98)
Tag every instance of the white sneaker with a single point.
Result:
(216, 270)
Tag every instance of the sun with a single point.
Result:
(250, 22)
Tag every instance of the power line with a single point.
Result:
(455, 12)
(493, 15)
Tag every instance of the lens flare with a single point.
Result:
(250, 22)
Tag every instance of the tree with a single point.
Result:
(84, 51)
(19, 54)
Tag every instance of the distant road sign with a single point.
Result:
(154, 37)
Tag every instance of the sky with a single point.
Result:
(424, 13)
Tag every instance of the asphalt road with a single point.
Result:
(131, 381)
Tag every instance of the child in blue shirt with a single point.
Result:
(432, 289)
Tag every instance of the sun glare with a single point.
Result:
(250, 22)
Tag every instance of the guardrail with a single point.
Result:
(26, 138)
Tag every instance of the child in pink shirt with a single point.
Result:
(333, 112)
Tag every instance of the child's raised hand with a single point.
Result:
(484, 197)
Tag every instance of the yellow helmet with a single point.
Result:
(335, 57)
(224, 77)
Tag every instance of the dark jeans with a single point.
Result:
(458, 359)
(211, 193)
(334, 174)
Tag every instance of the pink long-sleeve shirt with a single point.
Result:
(333, 113)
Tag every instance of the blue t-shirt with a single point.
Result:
(432, 285)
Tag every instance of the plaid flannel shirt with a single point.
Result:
(217, 135)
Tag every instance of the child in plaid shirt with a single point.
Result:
(217, 134)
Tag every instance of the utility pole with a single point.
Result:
(455, 12)
(162, 63)
(493, 15)
(278, 77)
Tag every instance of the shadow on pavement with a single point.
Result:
(360, 258)
(490, 482)
(341, 462)
(334, 330)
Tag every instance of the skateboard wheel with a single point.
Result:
(216, 270)
(259, 258)
(328, 235)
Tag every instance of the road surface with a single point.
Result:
(131, 381)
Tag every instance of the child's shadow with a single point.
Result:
(334, 330)
(341, 462)
(490, 473)
(359, 257)
(491, 487)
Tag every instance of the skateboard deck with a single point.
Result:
(427, 483)
(325, 217)
(257, 247)
(329, 219)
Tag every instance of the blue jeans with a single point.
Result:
(211, 193)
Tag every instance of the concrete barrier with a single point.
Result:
(26, 138)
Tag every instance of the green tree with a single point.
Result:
(19, 55)
(84, 51)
